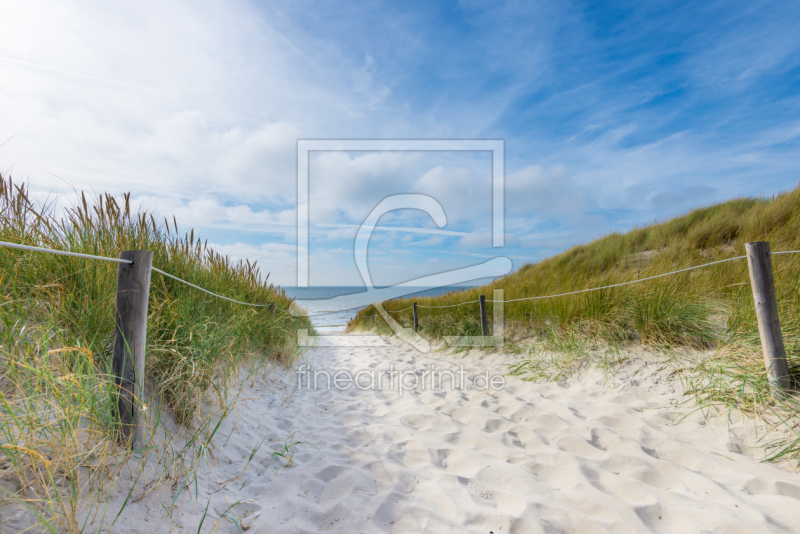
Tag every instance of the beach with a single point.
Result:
(586, 455)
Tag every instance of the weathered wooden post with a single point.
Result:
(483, 315)
(373, 319)
(416, 318)
(271, 306)
(769, 323)
(133, 290)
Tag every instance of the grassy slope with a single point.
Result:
(686, 309)
(56, 338)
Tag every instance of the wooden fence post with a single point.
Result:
(271, 306)
(769, 323)
(373, 319)
(416, 318)
(483, 315)
(133, 291)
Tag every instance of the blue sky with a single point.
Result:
(613, 114)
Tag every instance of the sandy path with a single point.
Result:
(526, 458)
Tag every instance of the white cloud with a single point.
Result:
(346, 186)
(209, 213)
(161, 97)
(465, 193)
(350, 185)
(277, 260)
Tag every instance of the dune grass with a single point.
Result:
(701, 309)
(58, 448)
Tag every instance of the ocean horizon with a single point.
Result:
(326, 319)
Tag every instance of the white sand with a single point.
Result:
(531, 457)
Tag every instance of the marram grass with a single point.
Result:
(58, 450)
(709, 308)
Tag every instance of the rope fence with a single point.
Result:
(209, 292)
(631, 281)
(602, 287)
(61, 252)
(450, 305)
(130, 330)
(119, 260)
(761, 280)
(593, 288)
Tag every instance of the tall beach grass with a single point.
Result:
(58, 448)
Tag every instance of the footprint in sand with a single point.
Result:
(336, 490)
(578, 446)
(410, 453)
(549, 421)
(484, 495)
(457, 462)
(497, 425)
(759, 486)
(603, 439)
(651, 477)
(517, 414)
(620, 423)
(417, 422)
(331, 472)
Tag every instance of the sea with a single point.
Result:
(331, 307)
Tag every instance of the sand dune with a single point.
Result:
(527, 458)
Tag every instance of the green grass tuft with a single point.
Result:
(57, 424)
